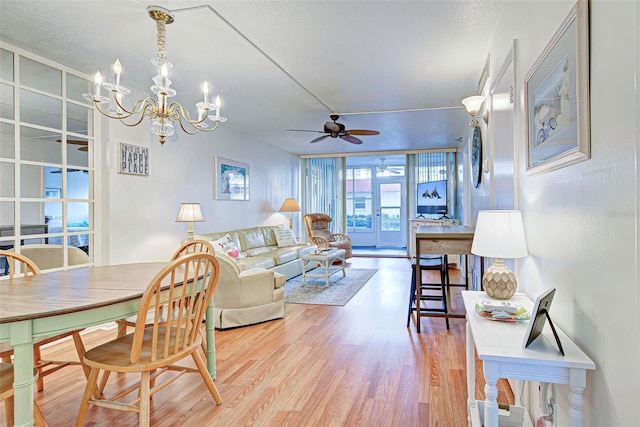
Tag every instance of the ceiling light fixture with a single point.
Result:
(473, 105)
(161, 112)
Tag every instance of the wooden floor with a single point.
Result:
(356, 365)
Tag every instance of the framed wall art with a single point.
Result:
(557, 98)
(230, 179)
(134, 159)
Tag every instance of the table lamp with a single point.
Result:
(499, 234)
(290, 205)
(190, 212)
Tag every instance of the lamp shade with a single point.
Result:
(473, 103)
(290, 205)
(499, 234)
(190, 212)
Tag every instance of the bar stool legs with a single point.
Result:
(440, 263)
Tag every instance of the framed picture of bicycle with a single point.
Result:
(557, 98)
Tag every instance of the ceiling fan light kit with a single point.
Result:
(334, 129)
(162, 113)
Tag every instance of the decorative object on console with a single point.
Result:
(190, 212)
(161, 112)
(556, 91)
(473, 105)
(499, 234)
(290, 205)
(540, 313)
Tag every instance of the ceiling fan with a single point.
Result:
(337, 130)
(384, 168)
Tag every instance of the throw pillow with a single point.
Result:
(226, 245)
(285, 237)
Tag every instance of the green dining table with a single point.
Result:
(61, 301)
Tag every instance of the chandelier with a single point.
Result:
(163, 114)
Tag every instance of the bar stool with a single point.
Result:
(432, 263)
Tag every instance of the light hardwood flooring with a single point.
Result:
(356, 365)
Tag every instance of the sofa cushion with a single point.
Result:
(304, 249)
(259, 261)
(270, 235)
(285, 237)
(251, 238)
(257, 251)
(283, 255)
(227, 246)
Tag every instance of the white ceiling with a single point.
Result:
(286, 64)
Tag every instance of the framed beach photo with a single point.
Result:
(557, 98)
(230, 179)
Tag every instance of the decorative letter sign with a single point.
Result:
(134, 159)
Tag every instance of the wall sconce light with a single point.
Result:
(473, 105)
(290, 205)
(190, 212)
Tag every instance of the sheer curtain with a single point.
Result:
(324, 189)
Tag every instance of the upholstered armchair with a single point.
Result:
(319, 234)
(246, 297)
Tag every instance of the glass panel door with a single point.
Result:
(390, 212)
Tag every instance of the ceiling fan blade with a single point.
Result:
(362, 132)
(304, 130)
(351, 139)
(320, 138)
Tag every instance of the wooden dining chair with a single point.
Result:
(6, 395)
(194, 246)
(186, 283)
(20, 264)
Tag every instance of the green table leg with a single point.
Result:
(211, 341)
(23, 378)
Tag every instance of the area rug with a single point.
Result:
(340, 290)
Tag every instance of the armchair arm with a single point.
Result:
(319, 241)
(339, 237)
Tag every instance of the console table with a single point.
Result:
(500, 347)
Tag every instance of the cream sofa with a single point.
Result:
(250, 289)
(246, 297)
(258, 248)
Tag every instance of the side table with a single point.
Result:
(324, 259)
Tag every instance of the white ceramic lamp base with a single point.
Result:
(499, 281)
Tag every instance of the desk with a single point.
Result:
(454, 239)
(499, 346)
(61, 301)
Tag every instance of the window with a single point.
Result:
(46, 163)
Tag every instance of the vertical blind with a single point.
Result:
(324, 189)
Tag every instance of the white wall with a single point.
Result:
(581, 222)
(139, 213)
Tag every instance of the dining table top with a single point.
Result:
(72, 291)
